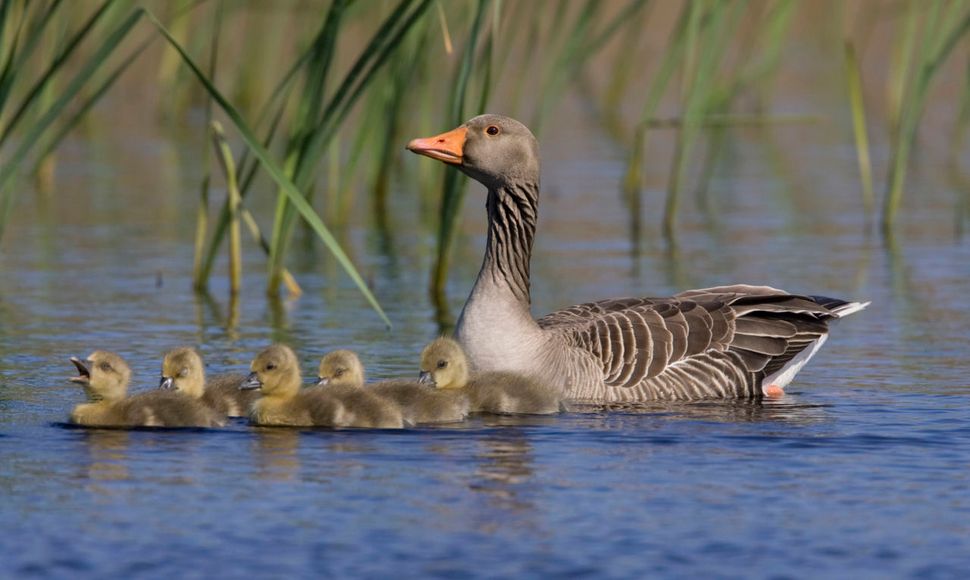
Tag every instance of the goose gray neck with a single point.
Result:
(512, 215)
(496, 326)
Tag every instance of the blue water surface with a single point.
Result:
(862, 470)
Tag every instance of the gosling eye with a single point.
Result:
(338, 373)
(183, 373)
(105, 366)
(270, 366)
(492, 130)
(442, 364)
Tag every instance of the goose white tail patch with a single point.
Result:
(851, 308)
(780, 378)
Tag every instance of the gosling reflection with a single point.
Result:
(108, 459)
(503, 474)
(276, 454)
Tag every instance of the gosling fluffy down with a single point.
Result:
(105, 376)
(420, 404)
(183, 371)
(443, 364)
(276, 373)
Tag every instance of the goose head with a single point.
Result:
(103, 374)
(444, 365)
(341, 368)
(183, 371)
(492, 149)
(275, 372)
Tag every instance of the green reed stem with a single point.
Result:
(228, 165)
(273, 169)
(853, 77)
(453, 187)
(39, 128)
(941, 31)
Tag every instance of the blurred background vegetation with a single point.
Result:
(309, 103)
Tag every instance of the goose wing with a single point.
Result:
(712, 342)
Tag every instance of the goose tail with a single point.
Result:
(840, 308)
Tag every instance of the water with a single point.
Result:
(862, 470)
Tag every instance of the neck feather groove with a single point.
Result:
(512, 217)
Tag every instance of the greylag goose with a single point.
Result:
(276, 373)
(183, 371)
(443, 364)
(105, 376)
(418, 403)
(724, 342)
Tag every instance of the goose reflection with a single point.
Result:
(107, 458)
(276, 455)
(790, 410)
(503, 473)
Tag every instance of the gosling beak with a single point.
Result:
(322, 381)
(447, 147)
(84, 374)
(425, 378)
(251, 382)
(166, 383)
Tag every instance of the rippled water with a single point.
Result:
(863, 470)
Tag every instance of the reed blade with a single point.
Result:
(853, 77)
(273, 170)
(453, 186)
(56, 110)
(388, 37)
(228, 165)
(942, 29)
(69, 49)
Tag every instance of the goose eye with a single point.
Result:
(442, 364)
(105, 367)
(270, 366)
(492, 130)
(338, 372)
(183, 373)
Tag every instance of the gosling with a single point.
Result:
(276, 373)
(342, 369)
(444, 364)
(183, 371)
(105, 376)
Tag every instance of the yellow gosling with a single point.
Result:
(276, 373)
(418, 403)
(444, 364)
(183, 371)
(105, 376)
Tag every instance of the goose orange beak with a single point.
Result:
(447, 147)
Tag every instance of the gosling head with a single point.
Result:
(341, 368)
(104, 375)
(275, 371)
(494, 150)
(443, 364)
(182, 370)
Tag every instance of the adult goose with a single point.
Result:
(725, 342)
